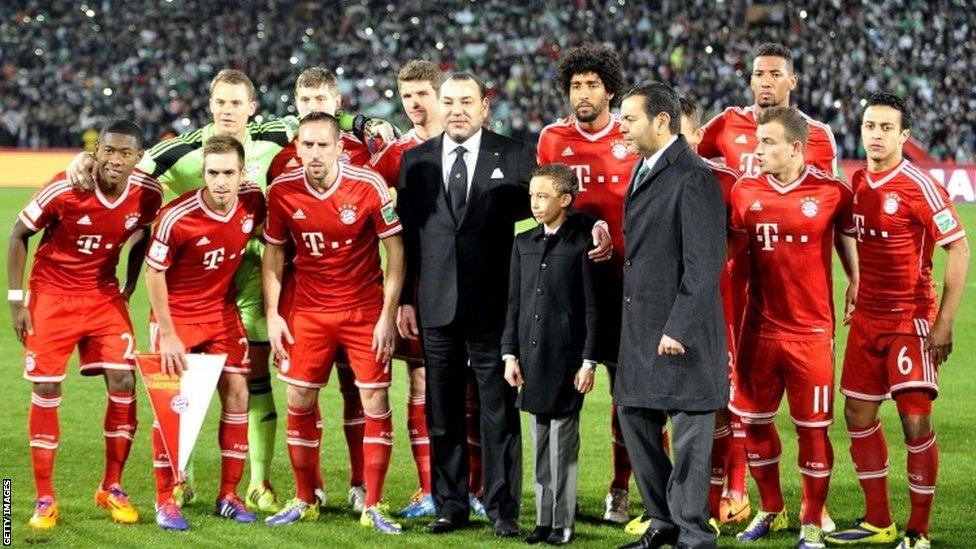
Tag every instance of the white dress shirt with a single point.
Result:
(652, 160)
(472, 145)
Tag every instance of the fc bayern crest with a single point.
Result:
(809, 206)
(247, 225)
(890, 205)
(284, 365)
(179, 404)
(131, 221)
(347, 214)
(30, 362)
(619, 150)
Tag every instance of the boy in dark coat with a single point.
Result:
(549, 341)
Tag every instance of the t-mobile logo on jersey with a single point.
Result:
(315, 243)
(582, 174)
(859, 226)
(88, 243)
(213, 258)
(767, 233)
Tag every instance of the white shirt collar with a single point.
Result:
(471, 145)
(652, 160)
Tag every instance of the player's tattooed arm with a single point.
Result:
(847, 252)
(171, 348)
(384, 334)
(272, 269)
(939, 341)
(138, 242)
(16, 260)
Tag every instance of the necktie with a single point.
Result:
(457, 184)
(641, 174)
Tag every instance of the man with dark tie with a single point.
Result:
(460, 196)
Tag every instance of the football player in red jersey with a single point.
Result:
(898, 336)
(731, 135)
(786, 218)
(692, 131)
(335, 215)
(75, 301)
(591, 143)
(196, 249)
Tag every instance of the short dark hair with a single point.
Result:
(123, 127)
(420, 70)
(690, 111)
(895, 102)
(792, 120)
(563, 177)
(658, 98)
(316, 77)
(590, 58)
(775, 49)
(469, 76)
(321, 117)
(223, 144)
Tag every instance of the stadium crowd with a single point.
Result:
(152, 61)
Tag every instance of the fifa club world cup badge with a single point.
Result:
(247, 224)
(131, 220)
(251, 172)
(809, 206)
(347, 214)
(890, 205)
(618, 149)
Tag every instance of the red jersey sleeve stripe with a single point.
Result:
(27, 222)
(296, 174)
(155, 265)
(391, 232)
(52, 191)
(950, 239)
(927, 187)
(172, 216)
(276, 241)
(373, 179)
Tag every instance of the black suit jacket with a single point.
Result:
(458, 270)
(674, 235)
(552, 314)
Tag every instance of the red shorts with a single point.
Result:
(224, 336)
(885, 356)
(98, 325)
(318, 335)
(766, 367)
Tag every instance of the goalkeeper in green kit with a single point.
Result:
(178, 164)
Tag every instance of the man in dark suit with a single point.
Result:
(672, 348)
(460, 196)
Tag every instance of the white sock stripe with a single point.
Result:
(300, 413)
(419, 441)
(378, 440)
(924, 490)
(235, 455)
(44, 444)
(825, 473)
(45, 402)
(716, 481)
(873, 474)
(118, 434)
(357, 421)
(866, 432)
(123, 400)
(417, 400)
(160, 464)
(303, 442)
(763, 462)
(318, 424)
(384, 415)
(921, 447)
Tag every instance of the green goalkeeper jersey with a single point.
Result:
(178, 162)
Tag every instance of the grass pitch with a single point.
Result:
(80, 459)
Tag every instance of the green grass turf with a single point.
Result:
(80, 460)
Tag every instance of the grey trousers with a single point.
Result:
(675, 495)
(557, 443)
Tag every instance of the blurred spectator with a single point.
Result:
(69, 64)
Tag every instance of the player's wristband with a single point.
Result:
(15, 295)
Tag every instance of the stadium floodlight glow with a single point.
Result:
(309, 31)
(439, 45)
(259, 119)
(388, 94)
(415, 20)
(837, 103)
(370, 82)
(107, 92)
(40, 18)
(369, 31)
(90, 13)
(293, 60)
(803, 14)
(284, 98)
(708, 49)
(339, 71)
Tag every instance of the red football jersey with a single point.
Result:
(387, 161)
(603, 165)
(790, 235)
(336, 233)
(732, 135)
(201, 249)
(900, 215)
(733, 281)
(354, 152)
(84, 233)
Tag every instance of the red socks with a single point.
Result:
(720, 444)
(815, 459)
(120, 428)
(44, 433)
(232, 436)
(377, 449)
(419, 441)
(162, 467)
(763, 452)
(923, 467)
(735, 462)
(303, 448)
(353, 423)
(621, 460)
(869, 451)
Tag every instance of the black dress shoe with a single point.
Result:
(443, 525)
(560, 536)
(539, 535)
(506, 528)
(652, 539)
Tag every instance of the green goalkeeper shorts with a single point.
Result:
(250, 300)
